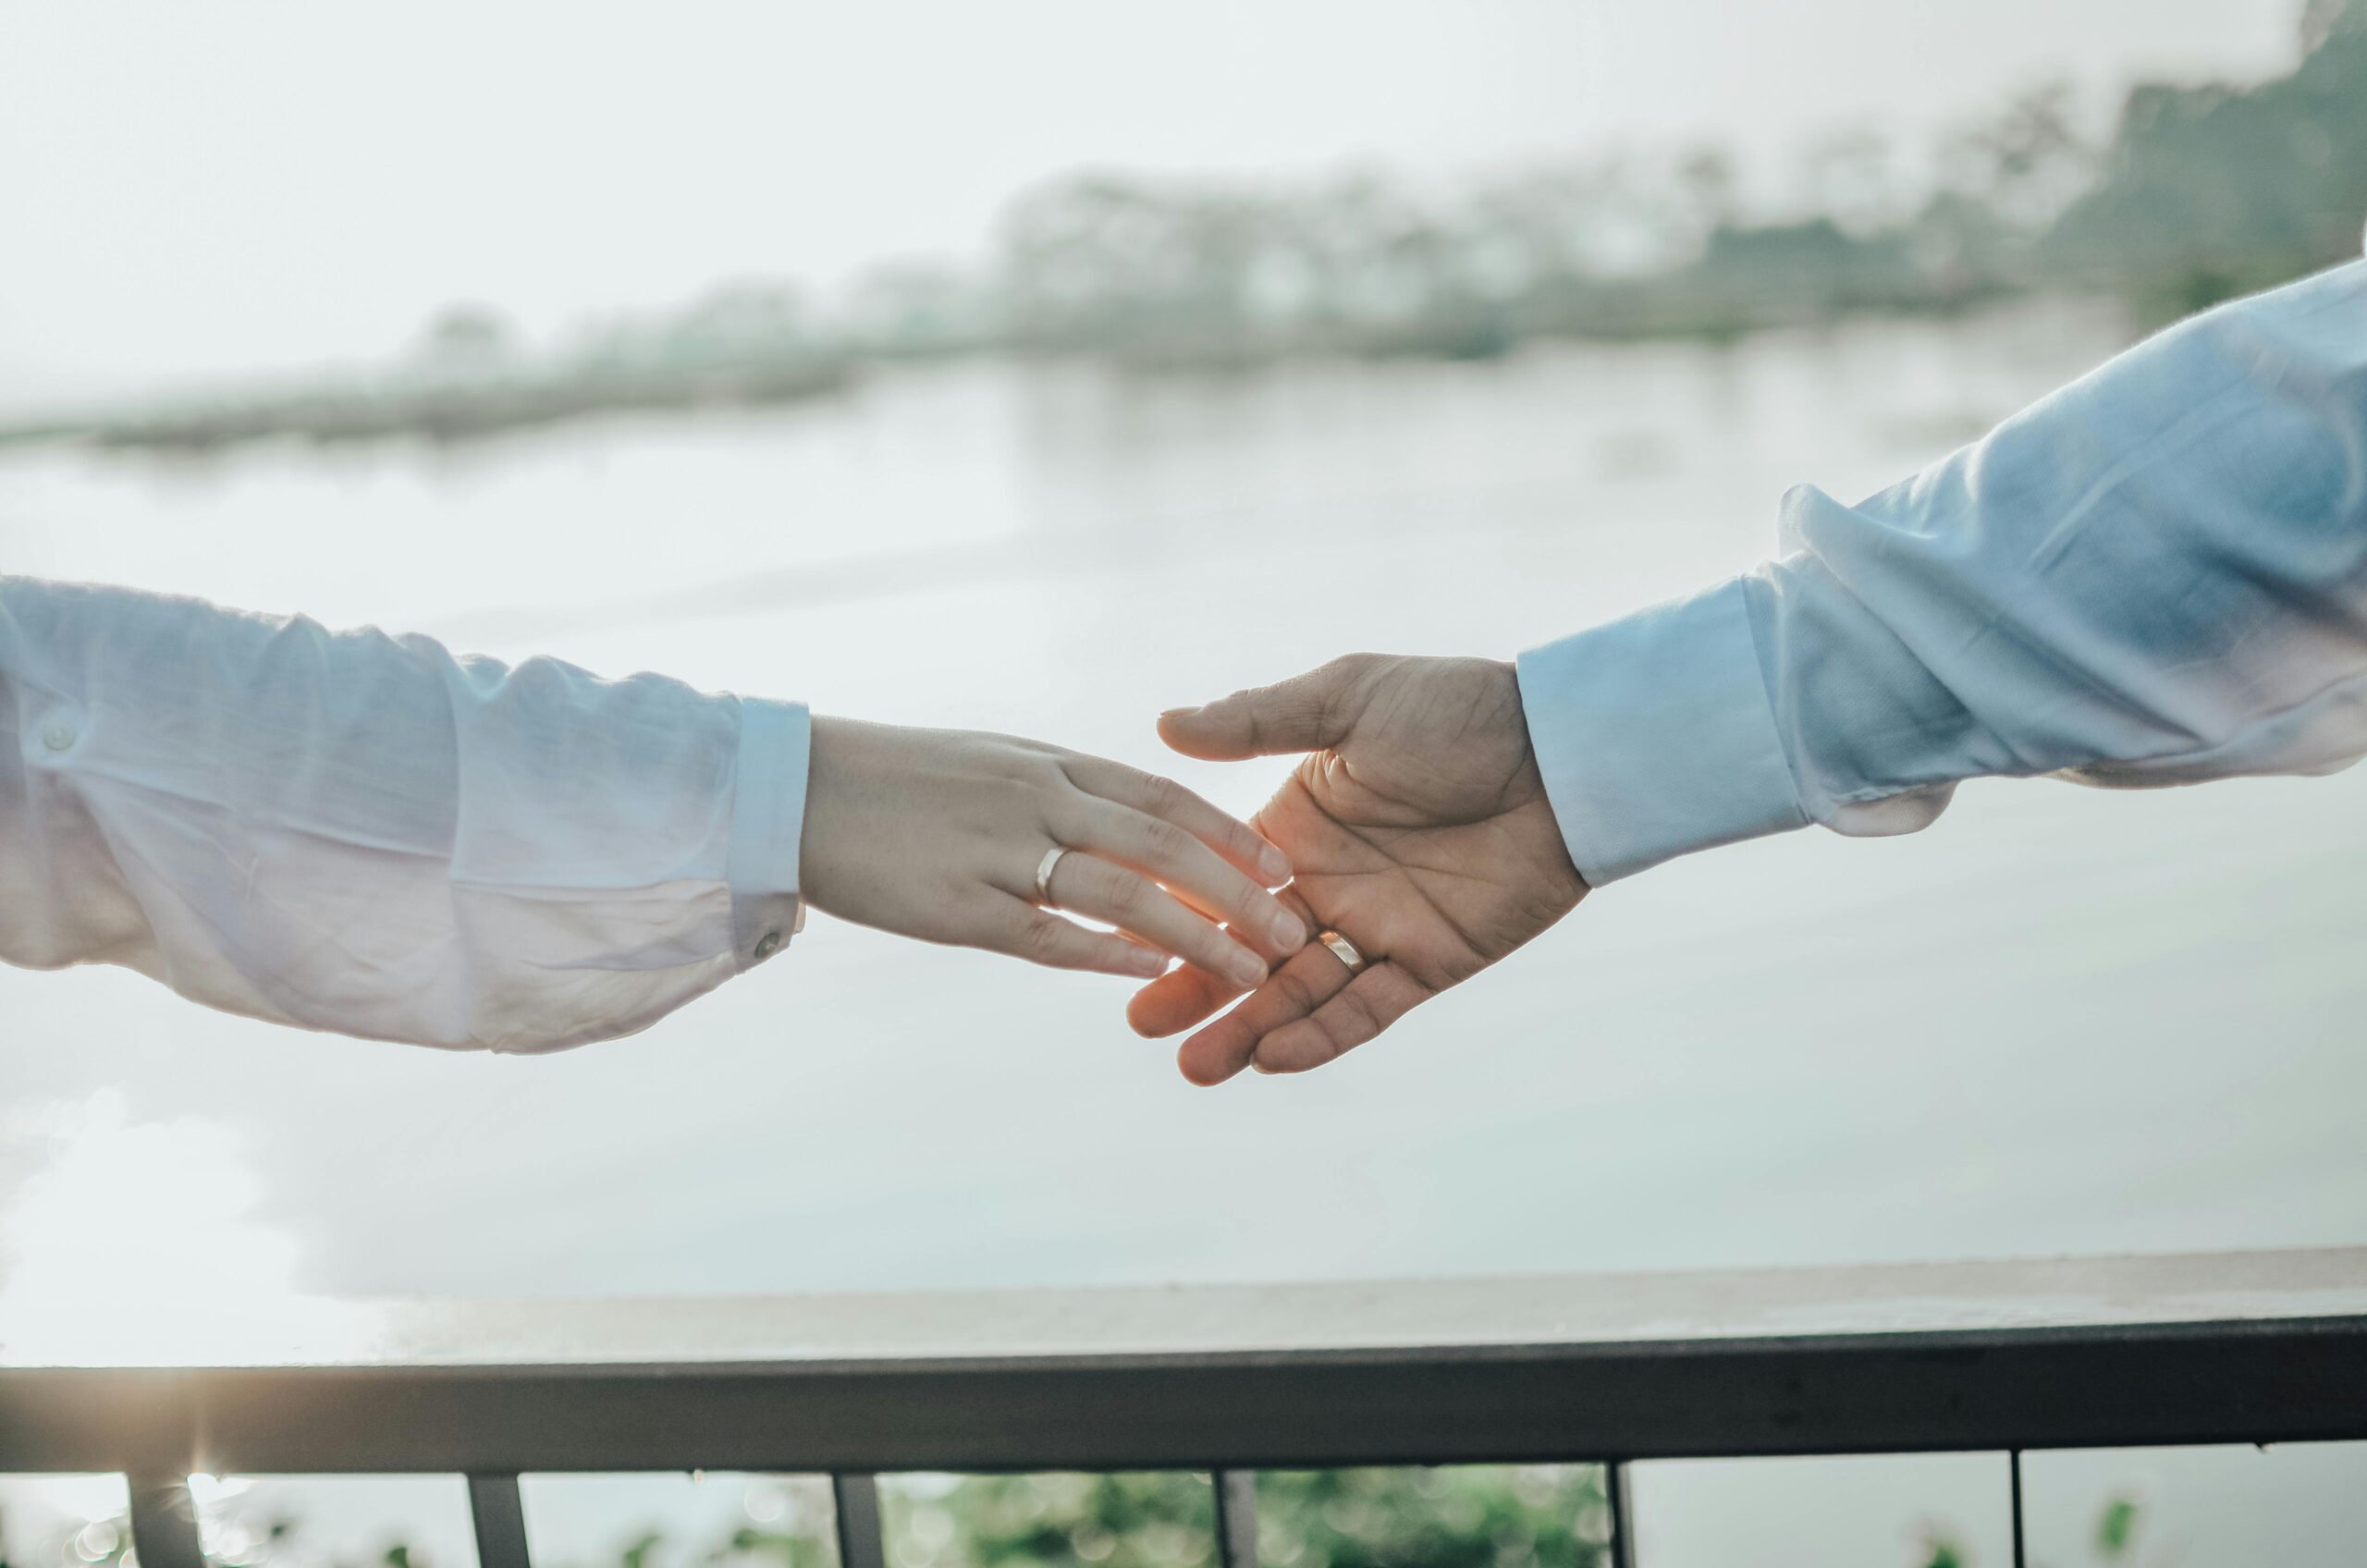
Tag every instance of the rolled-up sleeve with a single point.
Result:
(365, 834)
(2157, 576)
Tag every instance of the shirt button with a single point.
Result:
(767, 945)
(58, 736)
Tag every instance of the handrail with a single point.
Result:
(2252, 1347)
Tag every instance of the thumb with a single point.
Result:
(1306, 713)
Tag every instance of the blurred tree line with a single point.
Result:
(2196, 193)
(2193, 194)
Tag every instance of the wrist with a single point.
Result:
(825, 837)
(1655, 738)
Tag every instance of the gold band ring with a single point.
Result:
(1044, 876)
(1343, 950)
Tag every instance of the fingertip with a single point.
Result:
(1207, 1060)
(1273, 1057)
(1274, 864)
(1199, 1075)
(1175, 727)
(1197, 732)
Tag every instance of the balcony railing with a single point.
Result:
(2253, 1347)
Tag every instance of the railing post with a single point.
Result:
(163, 1521)
(1619, 1494)
(499, 1516)
(861, 1544)
(2014, 1468)
(1236, 1518)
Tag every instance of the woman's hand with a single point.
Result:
(939, 834)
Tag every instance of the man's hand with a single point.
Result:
(1419, 831)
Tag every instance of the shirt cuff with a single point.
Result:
(767, 823)
(1655, 735)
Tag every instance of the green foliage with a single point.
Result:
(2209, 191)
(1135, 1520)
(2116, 1527)
(2202, 192)
(1530, 1516)
(1548, 1516)
(778, 1546)
(637, 1555)
(1942, 1551)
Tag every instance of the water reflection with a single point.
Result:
(2005, 1036)
(118, 1205)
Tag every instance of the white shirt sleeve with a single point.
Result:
(2157, 575)
(364, 834)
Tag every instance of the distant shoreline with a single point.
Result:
(487, 400)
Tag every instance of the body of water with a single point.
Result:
(2059, 1020)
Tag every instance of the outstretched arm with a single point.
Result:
(2157, 575)
(365, 834)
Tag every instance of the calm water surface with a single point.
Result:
(2059, 1020)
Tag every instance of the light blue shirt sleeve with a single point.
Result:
(367, 834)
(2157, 575)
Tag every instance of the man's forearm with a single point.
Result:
(2157, 575)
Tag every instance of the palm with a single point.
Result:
(1422, 832)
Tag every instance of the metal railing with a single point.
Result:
(2252, 1347)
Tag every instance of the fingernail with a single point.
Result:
(1258, 1067)
(1290, 932)
(1149, 964)
(1182, 711)
(1248, 968)
(1274, 863)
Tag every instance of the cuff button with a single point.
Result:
(767, 945)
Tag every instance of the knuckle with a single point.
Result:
(1356, 1019)
(1045, 781)
(1061, 822)
(1219, 947)
(1166, 842)
(1248, 903)
(1043, 939)
(1295, 989)
(1162, 795)
(1027, 770)
(1128, 897)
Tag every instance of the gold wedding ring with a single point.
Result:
(1044, 876)
(1343, 950)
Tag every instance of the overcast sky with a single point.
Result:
(186, 187)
